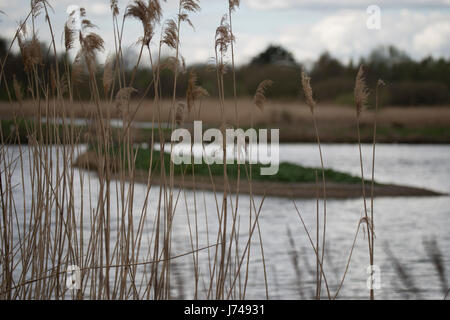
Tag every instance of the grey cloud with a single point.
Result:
(345, 4)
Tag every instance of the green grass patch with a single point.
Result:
(288, 172)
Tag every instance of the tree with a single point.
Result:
(274, 55)
(327, 67)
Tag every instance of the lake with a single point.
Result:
(404, 226)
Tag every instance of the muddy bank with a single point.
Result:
(292, 190)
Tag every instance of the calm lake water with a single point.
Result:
(402, 226)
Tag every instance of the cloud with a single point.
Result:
(306, 33)
(343, 4)
(433, 39)
(344, 35)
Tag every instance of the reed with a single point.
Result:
(57, 216)
(308, 92)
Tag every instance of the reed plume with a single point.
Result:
(123, 96)
(223, 35)
(170, 37)
(233, 4)
(37, 6)
(179, 115)
(187, 6)
(30, 49)
(260, 96)
(90, 44)
(148, 14)
(194, 91)
(361, 92)
(307, 90)
(114, 7)
(172, 64)
(69, 35)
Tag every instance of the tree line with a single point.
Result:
(409, 82)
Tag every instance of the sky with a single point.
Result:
(347, 29)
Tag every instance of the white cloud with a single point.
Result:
(342, 4)
(344, 35)
(433, 39)
(99, 9)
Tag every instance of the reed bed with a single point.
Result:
(124, 246)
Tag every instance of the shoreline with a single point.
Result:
(336, 123)
(293, 190)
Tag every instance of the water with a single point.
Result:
(402, 225)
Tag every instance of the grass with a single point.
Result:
(288, 172)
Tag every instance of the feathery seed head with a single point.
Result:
(170, 37)
(172, 64)
(307, 90)
(194, 92)
(90, 44)
(260, 95)
(87, 24)
(123, 98)
(148, 14)
(69, 35)
(361, 92)
(37, 6)
(30, 49)
(190, 5)
(223, 35)
(233, 4)
(179, 115)
(114, 7)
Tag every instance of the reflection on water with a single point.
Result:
(401, 224)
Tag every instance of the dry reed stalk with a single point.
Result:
(316, 250)
(308, 92)
(222, 41)
(232, 6)
(380, 83)
(361, 95)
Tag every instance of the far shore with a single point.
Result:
(336, 123)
